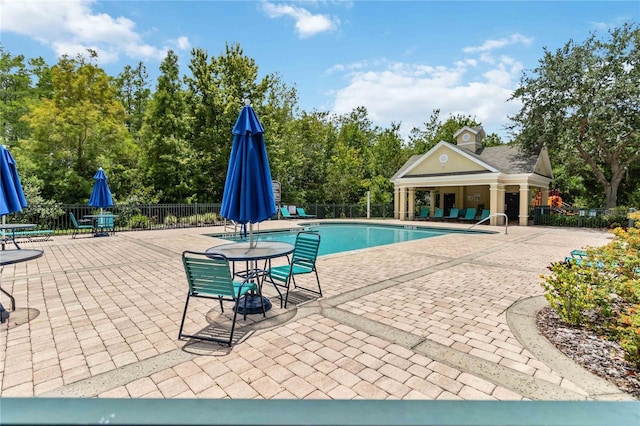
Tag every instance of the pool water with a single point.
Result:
(340, 237)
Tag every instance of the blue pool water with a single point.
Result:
(339, 237)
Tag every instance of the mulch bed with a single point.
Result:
(600, 356)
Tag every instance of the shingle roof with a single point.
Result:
(508, 159)
(406, 165)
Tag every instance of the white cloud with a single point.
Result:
(410, 92)
(490, 45)
(71, 27)
(306, 23)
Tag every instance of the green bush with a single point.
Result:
(602, 290)
(170, 220)
(139, 221)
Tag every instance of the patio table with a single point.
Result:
(242, 252)
(9, 257)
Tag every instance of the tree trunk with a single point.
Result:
(611, 193)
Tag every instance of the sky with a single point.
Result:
(399, 59)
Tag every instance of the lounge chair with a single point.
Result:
(424, 214)
(303, 261)
(438, 214)
(469, 215)
(79, 225)
(284, 211)
(303, 214)
(209, 277)
(485, 214)
(453, 214)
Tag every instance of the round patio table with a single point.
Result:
(242, 252)
(9, 257)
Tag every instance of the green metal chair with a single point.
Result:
(303, 261)
(79, 225)
(303, 214)
(284, 211)
(209, 277)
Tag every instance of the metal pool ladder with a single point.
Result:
(506, 222)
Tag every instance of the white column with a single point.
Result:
(396, 203)
(523, 217)
(412, 203)
(432, 202)
(403, 204)
(496, 203)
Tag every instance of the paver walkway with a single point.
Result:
(449, 317)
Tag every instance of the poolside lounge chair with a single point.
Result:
(438, 214)
(209, 277)
(469, 215)
(424, 214)
(453, 214)
(303, 261)
(285, 213)
(79, 225)
(303, 214)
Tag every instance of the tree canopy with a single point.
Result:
(583, 100)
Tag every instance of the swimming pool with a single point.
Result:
(339, 237)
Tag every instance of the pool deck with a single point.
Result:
(448, 317)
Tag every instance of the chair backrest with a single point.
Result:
(424, 212)
(285, 212)
(306, 250)
(73, 220)
(301, 211)
(454, 213)
(208, 274)
(439, 213)
(470, 214)
(485, 213)
(105, 221)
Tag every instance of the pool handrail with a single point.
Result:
(506, 222)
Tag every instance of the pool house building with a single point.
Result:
(469, 175)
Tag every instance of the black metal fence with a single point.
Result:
(578, 217)
(166, 216)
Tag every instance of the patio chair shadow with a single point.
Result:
(20, 316)
(215, 331)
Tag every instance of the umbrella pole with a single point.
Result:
(4, 220)
(251, 235)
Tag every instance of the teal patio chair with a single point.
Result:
(438, 214)
(209, 277)
(303, 261)
(303, 214)
(79, 225)
(485, 214)
(106, 224)
(284, 211)
(453, 214)
(469, 215)
(424, 214)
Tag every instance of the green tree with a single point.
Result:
(134, 93)
(167, 156)
(584, 100)
(77, 130)
(422, 140)
(15, 92)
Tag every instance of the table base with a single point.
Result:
(253, 304)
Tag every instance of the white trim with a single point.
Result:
(470, 129)
(453, 148)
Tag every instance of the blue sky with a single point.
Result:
(399, 59)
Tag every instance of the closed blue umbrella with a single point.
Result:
(248, 192)
(12, 198)
(101, 194)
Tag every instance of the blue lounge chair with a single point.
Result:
(303, 214)
(453, 214)
(438, 214)
(469, 215)
(424, 214)
(284, 211)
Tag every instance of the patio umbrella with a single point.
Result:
(101, 194)
(248, 192)
(12, 198)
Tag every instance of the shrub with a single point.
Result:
(170, 220)
(139, 221)
(628, 327)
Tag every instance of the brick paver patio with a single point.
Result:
(425, 319)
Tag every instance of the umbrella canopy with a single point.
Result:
(101, 194)
(12, 198)
(248, 192)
